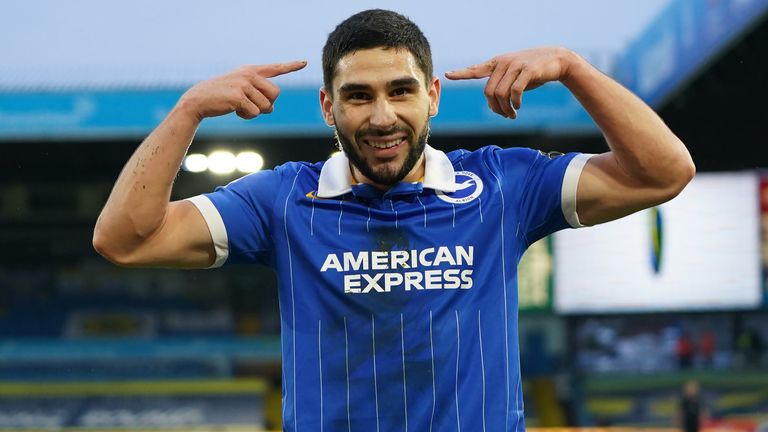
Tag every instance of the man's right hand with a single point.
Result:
(246, 91)
(138, 226)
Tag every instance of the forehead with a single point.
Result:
(376, 66)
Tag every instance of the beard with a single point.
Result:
(384, 175)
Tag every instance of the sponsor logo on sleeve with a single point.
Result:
(552, 154)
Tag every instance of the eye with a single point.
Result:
(358, 96)
(401, 91)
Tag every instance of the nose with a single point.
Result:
(383, 115)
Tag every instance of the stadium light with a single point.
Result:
(196, 163)
(221, 162)
(248, 162)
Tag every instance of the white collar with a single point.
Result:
(336, 177)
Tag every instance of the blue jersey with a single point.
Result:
(398, 308)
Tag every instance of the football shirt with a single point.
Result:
(398, 308)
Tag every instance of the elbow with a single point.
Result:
(690, 171)
(119, 241)
(108, 248)
(104, 246)
(684, 172)
(685, 168)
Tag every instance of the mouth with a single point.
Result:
(381, 144)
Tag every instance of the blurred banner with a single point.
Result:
(681, 41)
(134, 113)
(734, 402)
(107, 80)
(133, 405)
(110, 359)
(699, 251)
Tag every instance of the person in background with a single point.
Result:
(707, 348)
(691, 412)
(685, 351)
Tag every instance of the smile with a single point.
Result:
(383, 144)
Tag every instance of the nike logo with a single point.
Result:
(311, 195)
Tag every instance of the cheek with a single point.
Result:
(416, 117)
(343, 114)
(416, 111)
(350, 119)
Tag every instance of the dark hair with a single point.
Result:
(375, 28)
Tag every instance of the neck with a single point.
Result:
(413, 176)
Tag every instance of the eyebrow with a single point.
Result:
(404, 82)
(353, 87)
(399, 82)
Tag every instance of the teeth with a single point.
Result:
(383, 144)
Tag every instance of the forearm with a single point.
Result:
(139, 200)
(642, 145)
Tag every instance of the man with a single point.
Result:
(691, 412)
(396, 262)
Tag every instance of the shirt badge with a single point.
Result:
(468, 187)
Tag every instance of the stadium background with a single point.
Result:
(87, 345)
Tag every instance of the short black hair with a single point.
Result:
(375, 28)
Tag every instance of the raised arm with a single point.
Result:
(647, 164)
(138, 226)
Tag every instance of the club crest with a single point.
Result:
(468, 187)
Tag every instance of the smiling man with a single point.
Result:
(396, 262)
(384, 101)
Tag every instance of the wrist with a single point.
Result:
(572, 65)
(187, 111)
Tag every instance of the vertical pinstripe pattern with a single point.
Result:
(320, 363)
(480, 207)
(405, 392)
(479, 200)
(482, 361)
(312, 218)
(453, 221)
(367, 222)
(392, 203)
(432, 351)
(504, 291)
(346, 362)
(456, 382)
(341, 212)
(517, 404)
(282, 399)
(375, 383)
(520, 395)
(293, 302)
(521, 401)
(425, 210)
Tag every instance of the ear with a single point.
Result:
(326, 105)
(434, 96)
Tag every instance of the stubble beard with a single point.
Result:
(384, 175)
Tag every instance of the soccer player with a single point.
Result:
(396, 261)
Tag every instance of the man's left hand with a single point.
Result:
(513, 73)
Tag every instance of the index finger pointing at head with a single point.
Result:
(273, 70)
(482, 70)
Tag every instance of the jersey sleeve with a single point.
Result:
(546, 186)
(239, 218)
